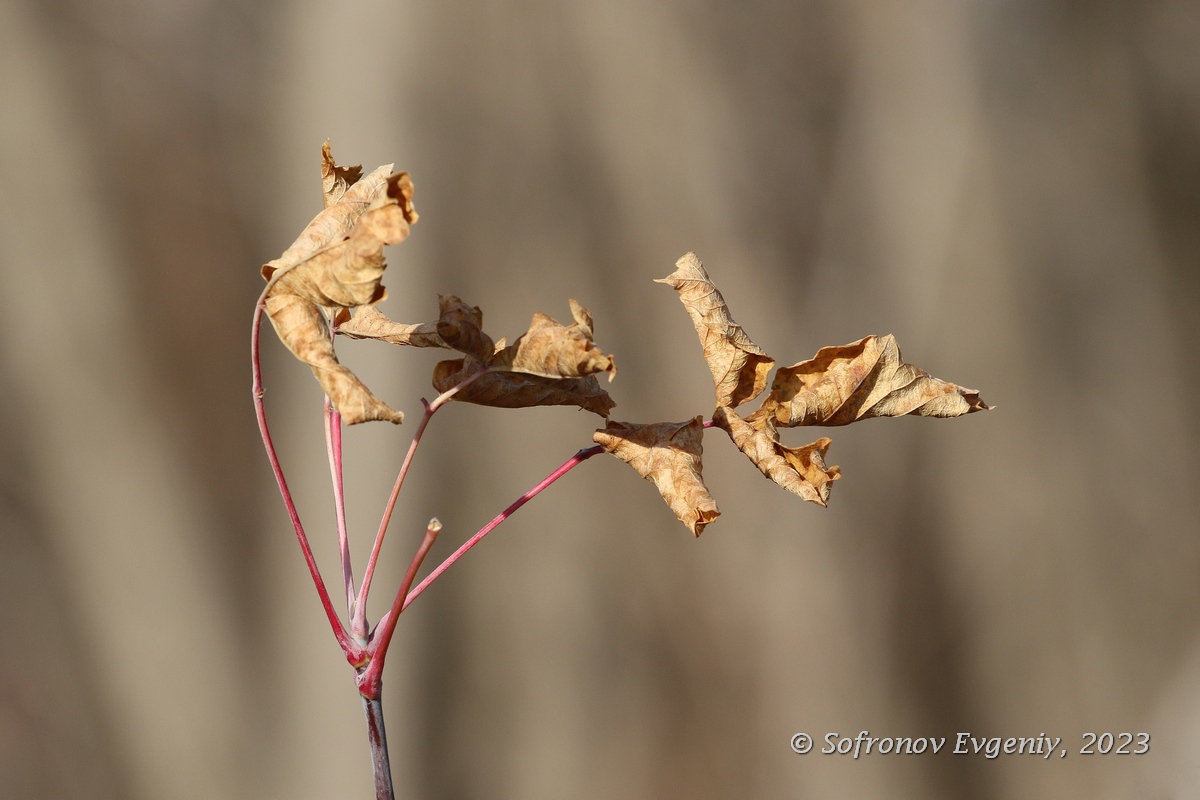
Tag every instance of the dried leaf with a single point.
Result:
(517, 390)
(337, 262)
(800, 470)
(461, 327)
(739, 367)
(669, 455)
(369, 322)
(335, 180)
(582, 317)
(335, 222)
(552, 350)
(301, 326)
(338, 259)
(840, 385)
(549, 365)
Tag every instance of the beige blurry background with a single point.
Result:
(1010, 188)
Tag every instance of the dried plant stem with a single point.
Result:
(568, 465)
(380, 765)
(370, 676)
(333, 443)
(359, 621)
(354, 652)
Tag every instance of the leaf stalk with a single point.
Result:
(359, 621)
(355, 653)
(568, 465)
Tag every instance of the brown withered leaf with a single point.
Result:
(369, 322)
(335, 180)
(301, 326)
(518, 390)
(739, 367)
(552, 350)
(669, 455)
(549, 365)
(582, 317)
(840, 385)
(800, 470)
(336, 220)
(461, 327)
(337, 262)
(338, 259)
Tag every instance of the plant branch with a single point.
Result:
(380, 765)
(370, 677)
(359, 621)
(354, 652)
(568, 465)
(333, 444)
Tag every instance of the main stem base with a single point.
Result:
(380, 765)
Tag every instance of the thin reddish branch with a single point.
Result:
(359, 623)
(355, 654)
(568, 465)
(333, 444)
(359, 620)
(370, 677)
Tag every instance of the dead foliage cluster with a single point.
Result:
(336, 265)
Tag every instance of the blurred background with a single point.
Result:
(1011, 188)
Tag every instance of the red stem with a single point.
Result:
(359, 622)
(333, 444)
(568, 465)
(370, 677)
(355, 654)
(360, 616)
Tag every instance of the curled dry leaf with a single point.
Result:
(461, 327)
(369, 322)
(301, 326)
(337, 262)
(552, 350)
(335, 180)
(338, 259)
(739, 367)
(582, 317)
(549, 365)
(840, 385)
(517, 390)
(669, 455)
(800, 470)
